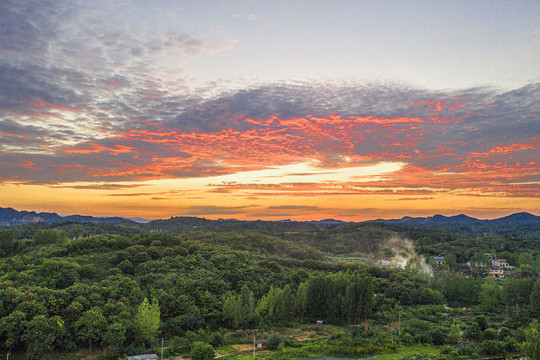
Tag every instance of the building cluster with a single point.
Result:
(495, 268)
(500, 268)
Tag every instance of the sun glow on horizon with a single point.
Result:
(305, 172)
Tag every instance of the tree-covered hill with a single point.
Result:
(65, 285)
(462, 240)
(199, 278)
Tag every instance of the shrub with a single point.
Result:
(473, 332)
(231, 338)
(202, 351)
(467, 350)
(491, 347)
(406, 338)
(481, 321)
(510, 345)
(438, 336)
(490, 334)
(273, 342)
(358, 331)
(422, 338)
(504, 333)
(180, 345)
(216, 339)
(454, 336)
(418, 324)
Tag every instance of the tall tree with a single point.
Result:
(230, 309)
(451, 261)
(91, 325)
(147, 320)
(277, 306)
(40, 335)
(114, 338)
(240, 310)
(531, 345)
(517, 292)
(12, 328)
(490, 295)
(455, 334)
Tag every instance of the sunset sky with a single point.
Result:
(301, 110)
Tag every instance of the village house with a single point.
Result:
(475, 264)
(496, 273)
(500, 264)
(384, 262)
(438, 259)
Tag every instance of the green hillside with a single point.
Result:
(69, 286)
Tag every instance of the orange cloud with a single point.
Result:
(46, 105)
(96, 148)
(501, 150)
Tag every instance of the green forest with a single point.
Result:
(202, 289)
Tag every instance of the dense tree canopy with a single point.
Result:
(68, 285)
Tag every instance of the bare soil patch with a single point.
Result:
(243, 347)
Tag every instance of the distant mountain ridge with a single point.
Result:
(327, 222)
(517, 218)
(11, 217)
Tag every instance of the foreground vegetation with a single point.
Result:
(206, 288)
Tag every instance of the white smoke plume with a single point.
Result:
(404, 255)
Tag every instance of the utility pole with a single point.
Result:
(399, 325)
(254, 345)
(161, 348)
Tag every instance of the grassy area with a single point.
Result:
(350, 258)
(225, 349)
(240, 357)
(312, 341)
(409, 350)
